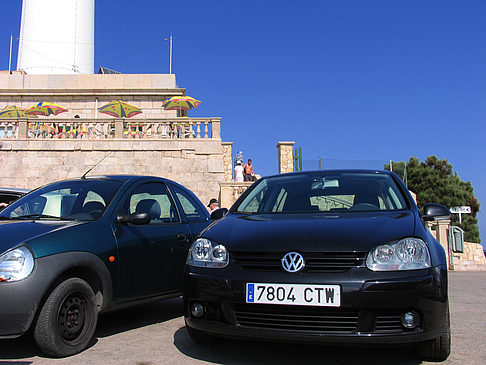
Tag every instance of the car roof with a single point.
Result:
(116, 177)
(311, 172)
(14, 190)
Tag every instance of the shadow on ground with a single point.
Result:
(232, 352)
(109, 324)
(139, 316)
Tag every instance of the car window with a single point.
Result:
(83, 200)
(324, 192)
(192, 210)
(154, 199)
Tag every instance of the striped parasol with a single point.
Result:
(12, 111)
(119, 109)
(45, 109)
(181, 103)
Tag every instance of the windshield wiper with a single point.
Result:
(2, 217)
(39, 216)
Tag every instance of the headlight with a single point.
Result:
(205, 253)
(407, 254)
(16, 264)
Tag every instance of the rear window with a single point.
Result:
(324, 192)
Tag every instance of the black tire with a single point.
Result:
(67, 321)
(437, 349)
(199, 336)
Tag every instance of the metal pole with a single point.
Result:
(10, 55)
(300, 158)
(391, 165)
(170, 58)
(320, 163)
(170, 51)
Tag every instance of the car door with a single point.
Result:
(151, 256)
(195, 214)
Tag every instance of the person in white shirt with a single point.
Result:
(238, 172)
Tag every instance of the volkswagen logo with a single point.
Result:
(293, 262)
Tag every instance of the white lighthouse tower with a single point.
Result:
(57, 37)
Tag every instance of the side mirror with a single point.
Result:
(219, 213)
(435, 211)
(137, 219)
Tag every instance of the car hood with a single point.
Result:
(15, 232)
(357, 231)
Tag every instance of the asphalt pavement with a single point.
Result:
(155, 334)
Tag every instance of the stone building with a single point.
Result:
(36, 151)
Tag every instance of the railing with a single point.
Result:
(77, 128)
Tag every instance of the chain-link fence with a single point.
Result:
(334, 164)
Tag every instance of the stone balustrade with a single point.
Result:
(103, 128)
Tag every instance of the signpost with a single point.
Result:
(461, 210)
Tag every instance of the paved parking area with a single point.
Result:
(155, 334)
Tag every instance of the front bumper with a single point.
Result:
(370, 313)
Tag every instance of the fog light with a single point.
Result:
(197, 310)
(410, 320)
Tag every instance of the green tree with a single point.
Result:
(434, 181)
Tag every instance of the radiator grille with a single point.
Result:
(295, 318)
(315, 261)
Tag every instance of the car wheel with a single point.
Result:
(437, 349)
(199, 336)
(67, 320)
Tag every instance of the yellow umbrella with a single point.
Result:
(181, 103)
(12, 111)
(120, 109)
(45, 109)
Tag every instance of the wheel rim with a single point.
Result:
(72, 318)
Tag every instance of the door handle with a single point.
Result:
(181, 236)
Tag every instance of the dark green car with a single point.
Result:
(76, 248)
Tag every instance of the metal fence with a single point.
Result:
(334, 164)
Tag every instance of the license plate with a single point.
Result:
(294, 294)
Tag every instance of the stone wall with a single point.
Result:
(472, 259)
(83, 94)
(195, 163)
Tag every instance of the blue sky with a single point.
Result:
(373, 80)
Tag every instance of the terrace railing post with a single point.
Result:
(119, 128)
(22, 127)
(216, 128)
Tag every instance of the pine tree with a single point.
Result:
(434, 181)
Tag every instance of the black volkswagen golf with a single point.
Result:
(325, 256)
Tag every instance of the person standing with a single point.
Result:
(213, 205)
(248, 171)
(238, 172)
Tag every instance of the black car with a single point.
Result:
(74, 248)
(326, 256)
(9, 195)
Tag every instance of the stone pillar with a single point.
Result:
(441, 234)
(227, 160)
(285, 157)
(119, 128)
(216, 128)
(23, 126)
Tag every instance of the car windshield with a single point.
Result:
(324, 192)
(66, 200)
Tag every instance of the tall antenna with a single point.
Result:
(96, 164)
(170, 51)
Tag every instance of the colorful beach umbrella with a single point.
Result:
(45, 109)
(119, 109)
(12, 111)
(181, 103)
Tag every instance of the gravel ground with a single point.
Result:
(155, 334)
